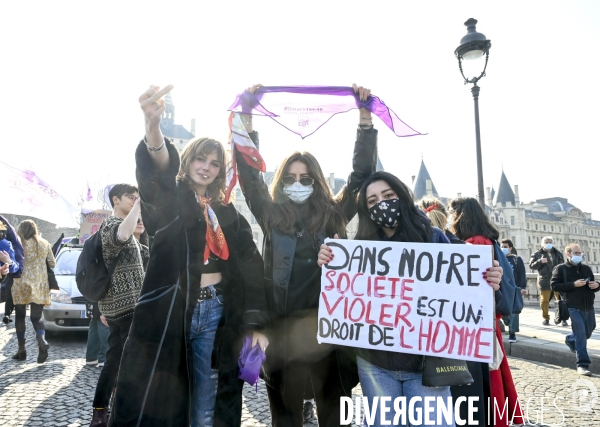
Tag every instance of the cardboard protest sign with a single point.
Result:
(419, 298)
(91, 222)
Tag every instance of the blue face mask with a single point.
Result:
(576, 259)
(548, 246)
(506, 251)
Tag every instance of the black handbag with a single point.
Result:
(561, 312)
(52, 282)
(441, 372)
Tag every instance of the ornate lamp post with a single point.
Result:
(472, 47)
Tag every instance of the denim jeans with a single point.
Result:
(97, 343)
(583, 323)
(376, 381)
(205, 321)
(513, 322)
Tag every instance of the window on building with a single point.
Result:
(252, 219)
(238, 192)
(528, 226)
(514, 240)
(544, 226)
(512, 220)
(501, 220)
(538, 240)
(503, 236)
(529, 239)
(551, 228)
(595, 256)
(559, 229)
(536, 226)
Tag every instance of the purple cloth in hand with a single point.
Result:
(304, 109)
(250, 361)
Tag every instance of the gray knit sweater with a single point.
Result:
(126, 281)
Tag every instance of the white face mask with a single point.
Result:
(297, 192)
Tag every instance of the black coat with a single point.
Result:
(155, 376)
(563, 280)
(279, 249)
(545, 269)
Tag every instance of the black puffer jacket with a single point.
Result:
(545, 269)
(563, 280)
(279, 249)
(155, 376)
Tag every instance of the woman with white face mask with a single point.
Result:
(296, 217)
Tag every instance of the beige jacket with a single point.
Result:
(32, 286)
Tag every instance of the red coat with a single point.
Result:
(501, 381)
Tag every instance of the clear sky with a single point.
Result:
(72, 73)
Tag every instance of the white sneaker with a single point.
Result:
(100, 365)
(583, 371)
(92, 362)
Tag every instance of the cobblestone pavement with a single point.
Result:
(60, 391)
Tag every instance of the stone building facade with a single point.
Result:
(526, 224)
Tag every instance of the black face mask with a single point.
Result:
(386, 213)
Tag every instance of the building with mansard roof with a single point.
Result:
(178, 134)
(526, 224)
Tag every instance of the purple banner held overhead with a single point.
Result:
(304, 109)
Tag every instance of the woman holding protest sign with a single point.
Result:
(471, 224)
(203, 292)
(384, 373)
(296, 216)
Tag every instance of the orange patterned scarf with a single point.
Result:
(215, 239)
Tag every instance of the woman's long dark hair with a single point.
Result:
(325, 213)
(414, 226)
(470, 220)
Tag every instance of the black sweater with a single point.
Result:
(582, 297)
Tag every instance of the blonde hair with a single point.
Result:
(203, 147)
(435, 211)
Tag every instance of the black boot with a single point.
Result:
(99, 418)
(6, 319)
(21, 353)
(43, 345)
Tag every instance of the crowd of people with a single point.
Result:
(176, 314)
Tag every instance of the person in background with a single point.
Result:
(543, 261)
(32, 288)
(520, 276)
(437, 213)
(118, 245)
(10, 234)
(97, 342)
(472, 225)
(575, 281)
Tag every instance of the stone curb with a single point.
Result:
(546, 354)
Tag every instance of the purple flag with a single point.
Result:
(304, 109)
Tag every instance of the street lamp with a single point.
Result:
(473, 47)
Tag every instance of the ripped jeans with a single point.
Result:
(205, 321)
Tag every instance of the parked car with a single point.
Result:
(67, 312)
